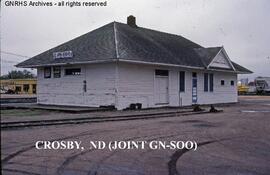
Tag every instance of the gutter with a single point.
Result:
(69, 63)
(133, 62)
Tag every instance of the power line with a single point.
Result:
(15, 54)
(9, 61)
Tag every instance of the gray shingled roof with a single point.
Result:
(118, 41)
(207, 54)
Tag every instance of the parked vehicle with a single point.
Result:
(242, 89)
(262, 85)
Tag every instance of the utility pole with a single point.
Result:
(0, 34)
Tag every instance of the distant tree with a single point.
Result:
(18, 74)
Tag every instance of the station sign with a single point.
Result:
(64, 54)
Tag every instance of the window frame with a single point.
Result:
(206, 82)
(211, 82)
(49, 69)
(72, 74)
(26, 88)
(161, 72)
(222, 82)
(55, 73)
(182, 81)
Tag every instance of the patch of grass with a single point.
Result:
(22, 112)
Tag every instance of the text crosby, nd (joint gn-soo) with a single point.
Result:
(116, 145)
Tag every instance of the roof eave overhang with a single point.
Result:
(230, 71)
(109, 61)
(160, 64)
(244, 72)
(183, 66)
(65, 64)
(131, 61)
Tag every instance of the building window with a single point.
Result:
(34, 87)
(73, 71)
(194, 74)
(211, 82)
(206, 83)
(159, 72)
(222, 82)
(18, 89)
(47, 72)
(182, 81)
(57, 72)
(26, 87)
(232, 83)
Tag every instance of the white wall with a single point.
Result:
(135, 84)
(68, 90)
(222, 93)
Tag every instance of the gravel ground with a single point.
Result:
(236, 141)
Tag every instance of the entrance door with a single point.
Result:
(161, 87)
(194, 88)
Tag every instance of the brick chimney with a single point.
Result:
(131, 21)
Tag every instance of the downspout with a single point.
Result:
(180, 99)
(116, 83)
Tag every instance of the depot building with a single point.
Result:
(122, 64)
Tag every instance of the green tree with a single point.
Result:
(18, 74)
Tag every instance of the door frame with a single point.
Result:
(167, 90)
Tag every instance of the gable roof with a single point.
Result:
(98, 44)
(118, 41)
(207, 54)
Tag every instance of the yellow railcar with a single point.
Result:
(19, 86)
(242, 89)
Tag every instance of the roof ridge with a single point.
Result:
(115, 40)
(214, 47)
(159, 31)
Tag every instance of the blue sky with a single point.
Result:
(241, 26)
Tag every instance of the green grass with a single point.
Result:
(22, 112)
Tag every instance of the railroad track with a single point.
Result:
(36, 123)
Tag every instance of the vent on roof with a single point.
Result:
(131, 21)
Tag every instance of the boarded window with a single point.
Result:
(232, 83)
(159, 72)
(211, 82)
(206, 83)
(47, 72)
(222, 82)
(73, 71)
(182, 81)
(57, 72)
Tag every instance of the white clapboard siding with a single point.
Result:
(122, 84)
(185, 98)
(221, 94)
(135, 85)
(68, 90)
